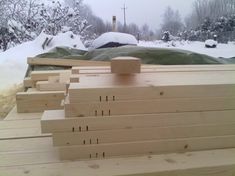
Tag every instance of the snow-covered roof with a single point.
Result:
(114, 37)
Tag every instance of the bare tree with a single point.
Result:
(172, 21)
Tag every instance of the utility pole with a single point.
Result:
(124, 11)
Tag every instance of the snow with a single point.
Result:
(13, 62)
(211, 43)
(222, 50)
(115, 37)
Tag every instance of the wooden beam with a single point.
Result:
(54, 121)
(46, 95)
(141, 134)
(28, 102)
(29, 83)
(20, 133)
(65, 62)
(13, 115)
(158, 79)
(203, 163)
(125, 65)
(74, 79)
(53, 79)
(46, 86)
(148, 106)
(12, 124)
(145, 147)
(146, 92)
(44, 75)
(157, 68)
(26, 144)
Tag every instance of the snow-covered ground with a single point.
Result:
(13, 62)
(222, 50)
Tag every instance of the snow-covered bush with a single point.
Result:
(223, 27)
(24, 20)
(211, 43)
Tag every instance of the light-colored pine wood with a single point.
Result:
(148, 106)
(46, 95)
(12, 124)
(125, 65)
(76, 70)
(20, 133)
(74, 78)
(43, 75)
(27, 144)
(46, 86)
(38, 106)
(28, 102)
(203, 163)
(157, 79)
(13, 115)
(54, 121)
(145, 147)
(141, 134)
(53, 79)
(29, 83)
(64, 77)
(157, 68)
(65, 62)
(148, 92)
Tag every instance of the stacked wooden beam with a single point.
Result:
(118, 111)
(46, 91)
(48, 88)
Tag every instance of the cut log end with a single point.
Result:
(125, 65)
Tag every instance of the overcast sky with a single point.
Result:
(139, 11)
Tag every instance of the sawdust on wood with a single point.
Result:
(7, 99)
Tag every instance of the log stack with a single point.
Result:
(127, 110)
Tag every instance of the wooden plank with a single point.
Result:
(46, 95)
(147, 92)
(76, 70)
(29, 83)
(146, 147)
(32, 90)
(141, 134)
(9, 159)
(43, 75)
(148, 106)
(157, 68)
(46, 86)
(12, 124)
(53, 79)
(64, 77)
(26, 144)
(65, 62)
(54, 121)
(125, 65)
(149, 70)
(158, 79)
(13, 115)
(19, 133)
(161, 79)
(203, 163)
(74, 79)
(39, 106)
(29, 102)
